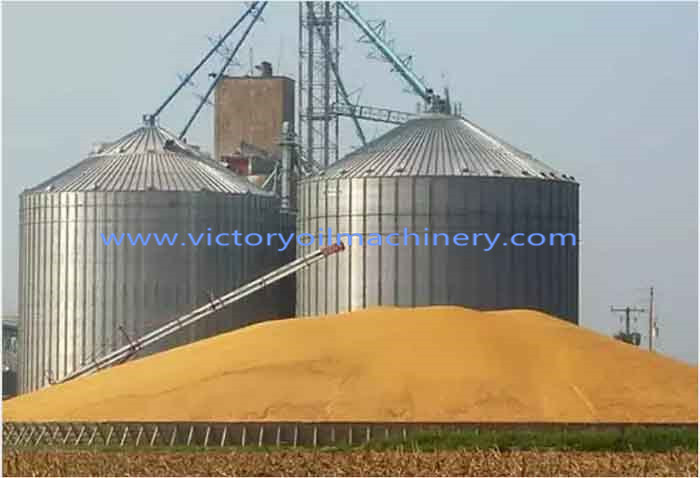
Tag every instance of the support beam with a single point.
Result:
(199, 65)
(371, 113)
(333, 66)
(317, 87)
(222, 71)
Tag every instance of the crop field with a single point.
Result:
(350, 463)
(634, 452)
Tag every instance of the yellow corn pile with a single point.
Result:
(384, 364)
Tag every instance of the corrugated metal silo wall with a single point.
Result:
(80, 299)
(543, 278)
(284, 292)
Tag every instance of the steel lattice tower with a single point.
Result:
(319, 34)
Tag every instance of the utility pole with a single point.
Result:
(628, 336)
(652, 325)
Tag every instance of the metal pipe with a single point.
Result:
(310, 144)
(205, 98)
(202, 62)
(336, 154)
(204, 311)
(325, 39)
(300, 71)
(287, 144)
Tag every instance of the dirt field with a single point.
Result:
(387, 463)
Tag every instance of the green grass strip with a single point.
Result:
(629, 439)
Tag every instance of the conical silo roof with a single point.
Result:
(149, 158)
(441, 145)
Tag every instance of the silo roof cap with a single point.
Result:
(436, 144)
(149, 158)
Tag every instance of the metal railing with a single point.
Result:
(260, 434)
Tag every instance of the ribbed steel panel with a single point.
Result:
(441, 145)
(148, 159)
(79, 299)
(364, 194)
(543, 278)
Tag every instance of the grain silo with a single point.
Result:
(80, 298)
(443, 174)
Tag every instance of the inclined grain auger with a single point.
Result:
(204, 311)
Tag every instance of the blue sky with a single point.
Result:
(606, 92)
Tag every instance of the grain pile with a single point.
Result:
(384, 364)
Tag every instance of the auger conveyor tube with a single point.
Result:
(204, 311)
(385, 49)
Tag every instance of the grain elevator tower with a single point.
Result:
(250, 110)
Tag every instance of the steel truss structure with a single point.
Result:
(319, 38)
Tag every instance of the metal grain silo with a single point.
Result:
(80, 298)
(443, 174)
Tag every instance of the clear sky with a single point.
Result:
(603, 91)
